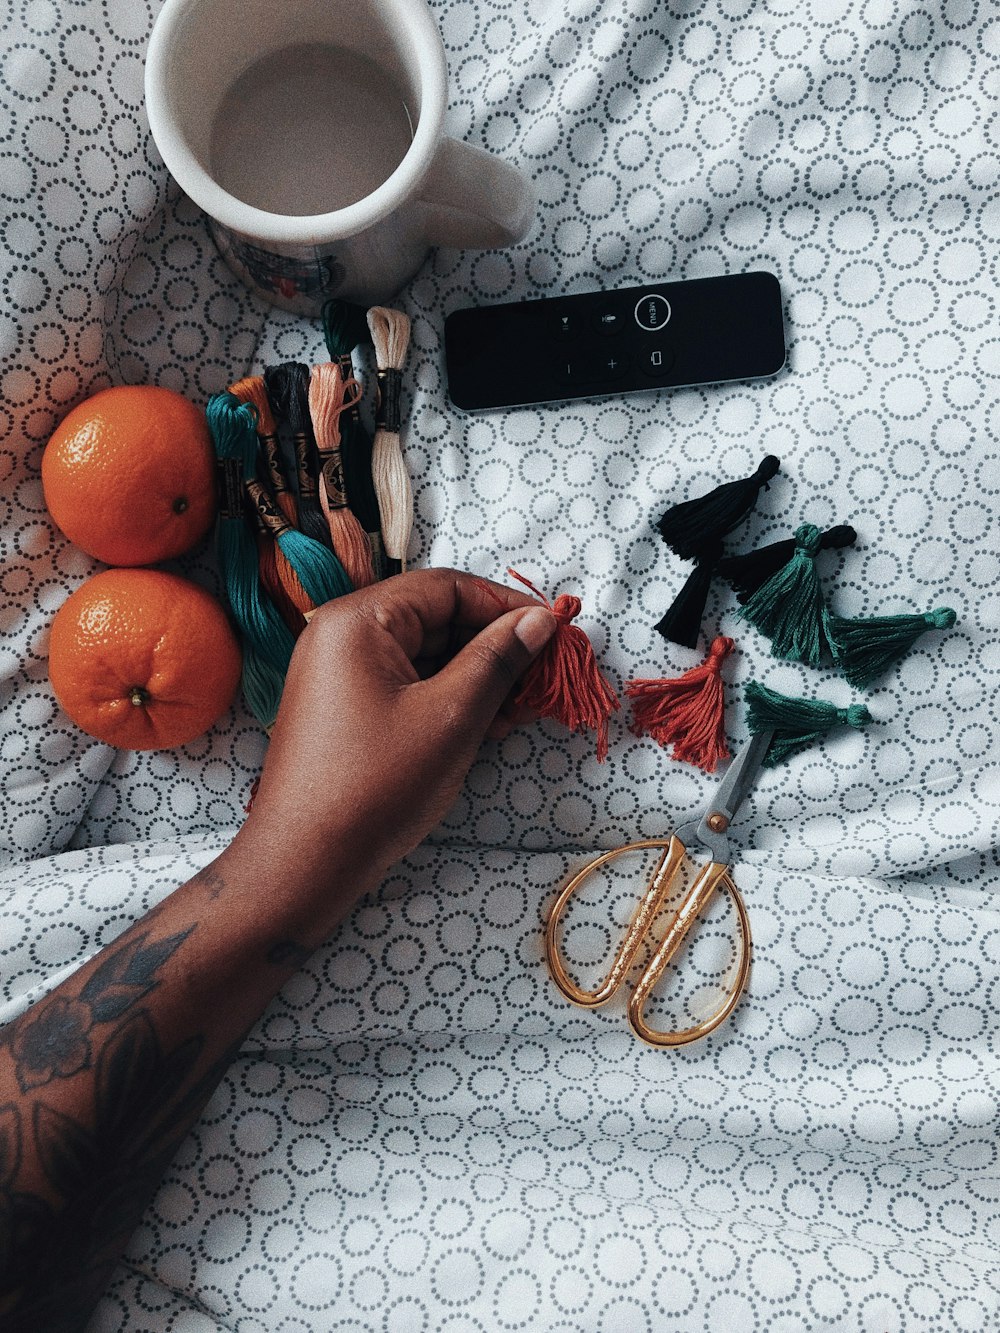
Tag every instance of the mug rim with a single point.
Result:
(416, 21)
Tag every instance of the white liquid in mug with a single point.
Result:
(308, 130)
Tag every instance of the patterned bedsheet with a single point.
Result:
(419, 1133)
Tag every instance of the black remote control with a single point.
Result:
(660, 336)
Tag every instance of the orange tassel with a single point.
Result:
(564, 681)
(330, 395)
(687, 712)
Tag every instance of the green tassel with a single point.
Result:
(866, 648)
(789, 609)
(796, 723)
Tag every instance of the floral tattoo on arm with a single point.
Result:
(61, 1235)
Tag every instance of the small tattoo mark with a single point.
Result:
(287, 951)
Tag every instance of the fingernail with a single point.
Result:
(535, 628)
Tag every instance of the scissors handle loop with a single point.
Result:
(696, 898)
(672, 854)
(711, 877)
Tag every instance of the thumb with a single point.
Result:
(478, 679)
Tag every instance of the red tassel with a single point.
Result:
(688, 712)
(564, 681)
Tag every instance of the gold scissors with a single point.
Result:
(711, 833)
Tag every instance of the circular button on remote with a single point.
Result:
(656, 361)
(652, 312)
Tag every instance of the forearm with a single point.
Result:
(100, 1081)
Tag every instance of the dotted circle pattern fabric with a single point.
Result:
(421, 1134)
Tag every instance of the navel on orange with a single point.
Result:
(129, 475)
(142, 659)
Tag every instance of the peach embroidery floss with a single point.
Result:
(330, 395)
(564, 682)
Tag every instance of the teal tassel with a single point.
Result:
(796, 723)
(233, 428)
(865, 649)
(747, 572)
(789, 609)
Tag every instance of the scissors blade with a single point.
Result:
(730, 795)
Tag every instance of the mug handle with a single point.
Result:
(474, 200)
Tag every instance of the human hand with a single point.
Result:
(389, 695)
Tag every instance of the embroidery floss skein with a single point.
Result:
(268, 642)
(796, 723)
(277, 575)
(390, 330)
(866, 648)
(268, 555)
(564, 681)
(288, 389)
(316, 567)
(345, 326)
(316, 564)
(329, 397)
(686, 712)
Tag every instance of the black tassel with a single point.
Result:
(681, 623)
(694, 526)
(751, 570)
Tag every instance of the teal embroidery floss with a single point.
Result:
(233, 428)
(796, 723)
(789, 608)
(867, 647)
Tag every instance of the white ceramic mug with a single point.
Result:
(325, 118)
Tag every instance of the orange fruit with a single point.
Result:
(129, 475)
(142, 659)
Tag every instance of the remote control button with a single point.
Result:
(569, 369)
(610, 365)
(608, 320)
(565, 325)
(656, 362)
(652, 312)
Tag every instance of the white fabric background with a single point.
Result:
(420, 1133)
